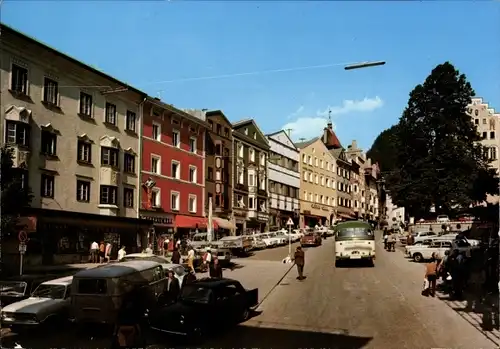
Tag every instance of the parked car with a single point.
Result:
(424, 235)
(49, 302)
(204, 306)
(310, 239)
(442, 218)
(258, 243)
(269, 240)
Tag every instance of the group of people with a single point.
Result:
(101, 252)
(390, 239)
(457, 271)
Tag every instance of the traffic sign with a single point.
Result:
(290, 221)
(22, 236)
(22, 248)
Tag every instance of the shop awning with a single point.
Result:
(190, 222)
(222, 223)
(345, 215)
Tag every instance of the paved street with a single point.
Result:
(354, 307)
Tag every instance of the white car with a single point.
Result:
(258, 243)
(49, 301)
(424, 235)
(442, 218)
(268, 240)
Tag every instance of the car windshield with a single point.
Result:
(12, 288)
(150, 259)
(197, 294)
(50, 291)
(354, 232)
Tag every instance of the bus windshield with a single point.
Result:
(354, 233)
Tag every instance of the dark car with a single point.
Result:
(310, 239)
(204, 306)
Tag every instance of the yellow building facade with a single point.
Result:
(318, 196)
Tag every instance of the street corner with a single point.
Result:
(264, 275)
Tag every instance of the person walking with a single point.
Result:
(215, 270)
(299, 259)
(190, 259)
(94, 252)
(176, 257)
(431, 274)
(102, 252)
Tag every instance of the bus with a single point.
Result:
(354, 240)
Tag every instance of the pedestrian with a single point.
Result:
(149, 249)
(107, 254)
(299, 259)
(121, 253)
(386, 237)
(458, 274)
(102, 252)
(171, 291)
(431, 274)
(94, 251)
(215, 270)
(176, 257)
(190, 259)
(207, 259)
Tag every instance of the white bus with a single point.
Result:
(354, 240)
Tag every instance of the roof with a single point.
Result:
(242, 122)
(336, 152)
(67, 280)
(115, 270)
(302, 145)
(159, 103)
(353, 224)
(72, 60)
(218, 113)
(210, 282)
(332, 140)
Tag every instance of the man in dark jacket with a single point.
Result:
(172, 289)
(215, 269)
(299, 259)
(176, 256)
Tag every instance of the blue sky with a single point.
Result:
(159, 46)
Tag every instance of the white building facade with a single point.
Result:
(284, 180)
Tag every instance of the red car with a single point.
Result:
(310, 239)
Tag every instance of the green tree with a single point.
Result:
(15, 195)
(384, 149)
(439, 161)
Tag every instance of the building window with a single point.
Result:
(19, 79)
(156, 131)
(109, 156)
(175, 170)
(485, 135)
(226, 152)
(155, 164)
(263, 184)
(192, 203)
(251, 203)
(130, 121)
(192, 144)
(192, 174)
(493, 153)
(84, 152)
(210, 173)
(108, 195)
(251, 182)
(176, 139)
(49, 143)
(310, 160)
(110, 117)
(240, 151)
(484, 121)
(476, 121)
(47, 186)
(155, 198)
(219, 129)
(50, 91)
(492, 135)
(241, 179)
(17, 133)
(211, 125)
(263, 159)
(129, 163)
(85, 104)
(252, 155)
(128, 197)
(174, 201)
(226, 132)
(82, 191)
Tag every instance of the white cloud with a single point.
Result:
(296, 113)
(306, 127)
(310, 127)
(349, 106)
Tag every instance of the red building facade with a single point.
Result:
(173, 168)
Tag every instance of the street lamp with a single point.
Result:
(363, 65)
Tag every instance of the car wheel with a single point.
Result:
(245, 315)
(417, 257)
(197, 334)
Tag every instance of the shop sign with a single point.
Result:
(320, 207)
(262, 217)
(240, 213)
(169, 220)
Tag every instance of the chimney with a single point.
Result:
(354, 145)
(325, 135)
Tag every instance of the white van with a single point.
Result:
(97, 293)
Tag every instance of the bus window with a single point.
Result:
(354, 232)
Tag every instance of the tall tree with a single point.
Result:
(16, 195)
(384, 149)
(439, 159)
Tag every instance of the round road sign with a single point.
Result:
(22, 236)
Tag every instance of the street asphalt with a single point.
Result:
(350, 307)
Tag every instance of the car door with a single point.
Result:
(231, 301)
(445, 246)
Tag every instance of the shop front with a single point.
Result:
(258, 223)
(312, 214)
(240, 220)
(279, 219)
(163, 228)
(62, 237)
